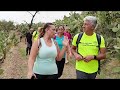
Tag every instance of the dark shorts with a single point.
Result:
(83, 75)
(38, 76)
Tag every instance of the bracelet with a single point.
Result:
(95, 57)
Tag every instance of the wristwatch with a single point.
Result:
(95, 57)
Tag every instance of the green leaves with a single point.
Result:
(108, 26)
(115, 29)
(118, 20)
(6, 26)
(6, 42)
(116, 47)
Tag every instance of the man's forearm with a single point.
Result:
(73, 52)
(62, 53)
(101, 56)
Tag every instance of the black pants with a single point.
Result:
(83, 75)
(60, 65)
(28, 48)
(38, 76)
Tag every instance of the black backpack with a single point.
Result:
(99, 42)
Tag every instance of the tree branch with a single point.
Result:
(30, 13)
(110, 43)
(32, 19)
(25, 21)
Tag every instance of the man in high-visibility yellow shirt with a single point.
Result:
(36, 34)
(88, 53)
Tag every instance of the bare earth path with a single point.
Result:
(15, 66)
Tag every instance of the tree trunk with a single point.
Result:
(30, 25)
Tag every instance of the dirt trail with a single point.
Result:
(15, 66)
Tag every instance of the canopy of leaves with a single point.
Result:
(7, 39)
(108, 25)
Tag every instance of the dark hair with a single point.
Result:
(62, 26)
(56, 28)
(44, 27)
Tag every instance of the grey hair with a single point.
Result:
(92, 19)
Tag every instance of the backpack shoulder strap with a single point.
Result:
(99, 40)
(78, 39)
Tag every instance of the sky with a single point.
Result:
(42, 16)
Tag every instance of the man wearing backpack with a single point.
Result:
(90, 50)
(37, 34)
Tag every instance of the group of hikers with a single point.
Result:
(50, 47)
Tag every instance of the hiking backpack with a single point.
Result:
(99, 42)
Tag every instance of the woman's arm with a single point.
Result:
(32, 57)
(61, 53)
(69, 51)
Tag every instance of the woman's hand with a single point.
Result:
(30, 74)
(65, 41)
(88, 58)
(78, 57)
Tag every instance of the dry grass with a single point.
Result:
(111, 70)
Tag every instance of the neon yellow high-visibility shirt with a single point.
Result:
(88, 46)
(35, 35)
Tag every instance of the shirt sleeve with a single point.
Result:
(74, 40)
